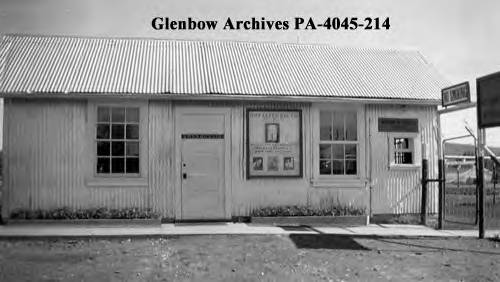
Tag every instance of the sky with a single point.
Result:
(460, 38)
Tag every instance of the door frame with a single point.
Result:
(179, 111)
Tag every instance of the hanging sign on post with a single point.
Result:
(456, 94)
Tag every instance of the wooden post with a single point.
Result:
(494, 185)
(441, 174)
(425, 171)
(480, 181)
(441, 192)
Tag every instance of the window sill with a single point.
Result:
(338, 183)
(404, 167)
(117, 182)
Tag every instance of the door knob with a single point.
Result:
(184, 175)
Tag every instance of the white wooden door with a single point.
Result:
(202, 164)
(202, 177)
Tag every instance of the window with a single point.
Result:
(338, 146)
(117, 140)
(403, 150)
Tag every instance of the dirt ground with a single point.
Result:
(251, 258)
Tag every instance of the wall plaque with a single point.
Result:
(274, 143)
(398, 125)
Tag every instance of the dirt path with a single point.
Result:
(251, 258)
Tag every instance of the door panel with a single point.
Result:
(202, 164)
(203, 179)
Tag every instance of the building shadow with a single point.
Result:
(326, 241)
(296, 228)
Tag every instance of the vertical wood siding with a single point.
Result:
(161, 157)
(48, 159)
(248, 194)
(398, 191)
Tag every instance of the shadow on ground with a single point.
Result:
(326, 241)
(369, 243)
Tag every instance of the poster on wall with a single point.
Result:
(274, 143)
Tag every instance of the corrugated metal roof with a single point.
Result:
(34, 65)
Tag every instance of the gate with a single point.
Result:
(460, 192)
(461, 195)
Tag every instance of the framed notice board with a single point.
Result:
(274, 143)
(488, 100)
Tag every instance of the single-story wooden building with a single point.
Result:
(198, 130)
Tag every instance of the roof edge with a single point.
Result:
(240, 97)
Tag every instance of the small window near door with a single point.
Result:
(403, 150)
(117, 141)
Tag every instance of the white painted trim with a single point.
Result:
(245, 97)
(345, 183)
(95, 180)
(404, 167)
(361, 152)
(5, 202)
(118, 182)
(417, 157)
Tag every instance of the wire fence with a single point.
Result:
(461, 194)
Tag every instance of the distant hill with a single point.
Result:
(464, 149)
(467, 172)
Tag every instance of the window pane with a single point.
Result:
(102, 165)
(118, 114)
(338, 126)
(401, 143)
(398, 157)
(103, 148)
(338, 151)
(132, 114)
(351, 127)
(407, 158)
(325, 125)
(133, 149)
(338, 167)
(132, 131)
(132, 165)
(103, 114)
(325, 151)
(117, 165)
(117, 131)
(102, 131)
(350, 151)
(350, 167)
(403, 157)
(325, 167)
(118, 148)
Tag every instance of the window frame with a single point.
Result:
(111, 140)
(341, 142)
(117, 179)
(335, 180)
(415, 138)
(410, 149)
